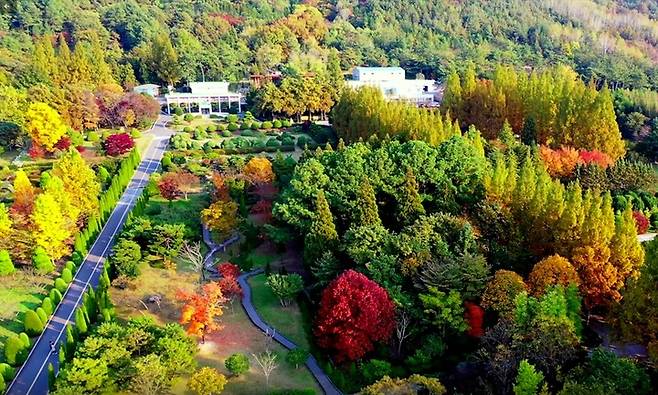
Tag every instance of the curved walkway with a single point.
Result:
(311, 363)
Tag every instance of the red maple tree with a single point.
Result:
(475, 317)
(119, 144)
(168, 187)
(227, 269)
(641, 222)
(63, 144)
(201, 309)
(355, 312)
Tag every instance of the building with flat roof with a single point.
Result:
(212, 97)
(394, 85)
(152, 90)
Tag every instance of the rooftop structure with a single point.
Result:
(213, 97)
(394, 86)
(152, 90)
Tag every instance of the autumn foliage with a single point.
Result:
(168, 187)
(475, 317)
(221, 216)
(641, 222)
(118, 144)
(355, 312)
(562, 162)
(227, 269)
(553, 270)
(201, 309)
(259, 171)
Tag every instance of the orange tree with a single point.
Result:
(201, 309)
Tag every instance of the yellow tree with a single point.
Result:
(221, 216)
(23, 195)
(80, 182)
(51, 231)
(553, 270)
(44, 125)
(259, 170)
(627, 255)
(5, 222)
(55, 187)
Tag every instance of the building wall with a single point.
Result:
(378, 74)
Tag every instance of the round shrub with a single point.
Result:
(187, 129)
(248, 133)
(60, 285)
(256, 125)
(42, 315)
(288, 141)
(70, 265)
(286, 123)
(266, 125)
(93, 137)
(47, 305)
(135, 134)
(188, 117)
(211, 128)
(245, 125)
(260, 143)
(297, 357)
(226, 133)
(42, 261)
(178, 111)
(302, 141)
(32, 323)
(67, 275)
(233, 126)
(272, 142)
(25, 339)
(237, 364)
(277, 124)
(221, 127)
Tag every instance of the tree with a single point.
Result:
(126, 257)
(44, 125)
(191, 253)
(168, 186)
(80, 182)
(23, 195)
(502, 290)
(163, 59)
(322, 236)
(258, 170)
(118, 144)
(366, 212)
(221, 216)
(267, 361)
(285, 287)
(237, 364)
(354, 313)
(207, 381)
(410, 204)
(297, 357)
(187, 182)
(151, 376)
(33, 324)
(553, 270)
(201, 309)
(527, 379)
(41, 261)
(413, 384)
(446, 310)
(51, 229)
(6, 265)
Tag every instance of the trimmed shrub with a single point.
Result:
(42, 261)
(233, 127)
(211, 128)
(61, 285)
(256, 125)
(286, 123)
(70, 265)
(77, 258)
(237, 364)
(135, 134)
(277, 124)
(245, 125)
(25, 339)
(14, 351)
(178, 111)
(6, 265)
(80, 322)
(56, 296)
(288, 141)
(67, 276)
(248, 133)
(32, 323)
(232, 118)
(187, 129)
(297, 357)
(273, 142)
(93, 137)
(221, 127)
(302, 141)
(47, 305)
(188, 117)
(7, 372)
(227, 133)
(42, 315)
(266, 125)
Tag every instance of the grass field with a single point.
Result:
(18, 293)
(179, 211)
(288, 320)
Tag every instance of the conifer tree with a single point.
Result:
(452, 96)
(79, 181)
(6, 265)
(627, 254)
(322, 235)
(5, 222)
(23, 194)
(410, 204)
(366, 207)
(55, 187)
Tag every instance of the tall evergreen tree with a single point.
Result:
(366, 207)
(322, 235)
(410, 204)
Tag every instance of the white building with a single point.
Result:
(206, 98)
(148, 89)
(394, 86)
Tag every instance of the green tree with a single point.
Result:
(322, 235)
(446, 311)
(164, 59)
(41, 261)
(410, 204)
(6, 265)
(126, 257)
(237, 364)
(207, 381)
(527, 379)
(285, 286)
(297, 357)
(366, 213)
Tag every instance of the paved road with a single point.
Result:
(311, 363)
(32, 378)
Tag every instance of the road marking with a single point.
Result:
(150, 161)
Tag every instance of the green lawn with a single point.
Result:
(182, 211)
(18, 293)
(287, 320)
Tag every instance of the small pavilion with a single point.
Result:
(205, 98)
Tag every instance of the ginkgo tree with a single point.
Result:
(44, 125)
